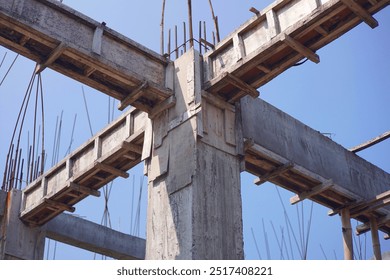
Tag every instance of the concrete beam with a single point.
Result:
(73, 44)
(278, 37)
(316, 159)
(107, 155)
(87, 235)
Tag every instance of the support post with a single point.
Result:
(194, 203)
(375, 239)
(347, 234)
(17, 240)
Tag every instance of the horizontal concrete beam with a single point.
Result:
(278, 37)
(316, 159)
(107, 155)
(87, 235)
(73, 44)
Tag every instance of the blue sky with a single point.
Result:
(346, 94)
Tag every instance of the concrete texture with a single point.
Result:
(194, 203)
(81, 48)
(18, 241)
(287, 137)
(87, 235)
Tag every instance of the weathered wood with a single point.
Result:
(375, 239)
(263, 38)
(360, 229)
(133, 96)
(362, 13)
(280, 138)
(274, 173)
(254, 10)
(59, 205)
(115, 67)
(83, 189)
(84, 171)
(301, 49)
(371, 142)
(316, 190)
(54, 55)
(370, 205)
(233, 80)
(347, 234)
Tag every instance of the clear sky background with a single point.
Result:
(346, 95)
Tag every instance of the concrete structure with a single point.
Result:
(204, 127)
(20, 241)
(95, 238)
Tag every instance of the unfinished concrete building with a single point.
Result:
(197, 123)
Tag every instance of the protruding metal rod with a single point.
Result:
(205, 35)
(185, 36)
(176, 45)
(162, 27)
(215, 19)
(190, 24)
(200, 37)
(169, 43)
(347, 234)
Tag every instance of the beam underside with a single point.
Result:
(87, 235)
(277, 139)
(258, 51)
(109, 154)
(58, 37)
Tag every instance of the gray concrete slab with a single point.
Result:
(90, 236)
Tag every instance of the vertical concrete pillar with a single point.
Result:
(19, 241)
(194, 205)
(375, 239)
(347, 234)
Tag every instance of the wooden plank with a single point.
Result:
(165, 105)
(314, 191)
(261, 67)
(240, 84)
(378, 204)
(302, 49)
(254, 10)
(133, 96)
(347, 234)
(274, 173)
(371, 204)
(111, 170)
(83, 189)
(217, 101)
(58, 205)
(375, 239)
(371, 142)
(321, 30)
(360, 12)
(366, 226)
(54, 55)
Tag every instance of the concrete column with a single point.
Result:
(18, 241)
(194, 205)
